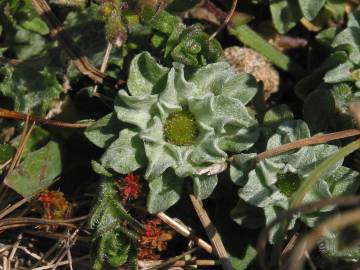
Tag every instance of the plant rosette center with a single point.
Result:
(181, 129)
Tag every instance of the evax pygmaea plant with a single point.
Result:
(177, 125)
(271, 183)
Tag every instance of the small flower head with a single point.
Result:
(288, 183)
(181, 129)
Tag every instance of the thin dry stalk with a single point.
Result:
(83, 258)
(15, 247)
(317, 139)
(173, 260)
(2, 166)
(26, 221)
(4, 113)
(104, 63)
(304, 208)
(226, 21)
(16, 159)
(308, 242)
(69, 242)
(13, 207)
(184, 231)
(212, 233)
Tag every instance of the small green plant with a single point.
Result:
(179, 127)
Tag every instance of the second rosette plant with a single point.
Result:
(175, 124)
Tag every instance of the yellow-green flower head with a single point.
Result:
(181, 123)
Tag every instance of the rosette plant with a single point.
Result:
(270, 185)
(177, 125)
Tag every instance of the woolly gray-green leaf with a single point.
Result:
(144, 74)
(165, 191)
(135, 110)
(204, 185)
(125, 154)
(241, 165)
(104, 131)
(350, 40)
(341, 73)
(310, 8)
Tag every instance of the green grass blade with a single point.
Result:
(320, 170)
(253, 40)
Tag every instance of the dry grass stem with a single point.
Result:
(184, 231)
(308, 242)
(304, 208)
(317, 139)
(212, 233)
(226, 21)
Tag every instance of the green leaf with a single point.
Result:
(243, 263)
(204, 185)
(104, 131)
(310, 83)
(285, 14)
(324, 167)
(240, 166)
(319, 110)
(37, 171)
(343, 181)
(274, 117)
(349, 39)
(99, 169)
(6, 152)
(253, 40)
(38, 138)
(36, 25)
(341, 73)
(125, 154)
(144, 74)
(165, 191)
(117, 248)
(310, 8)
(33, 88)
(241, 86)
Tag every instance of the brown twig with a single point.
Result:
(317, 139)
(4, 113)
(80, 61)
(184, 231)
(26, 221)
(212, 233)
(226, 21)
